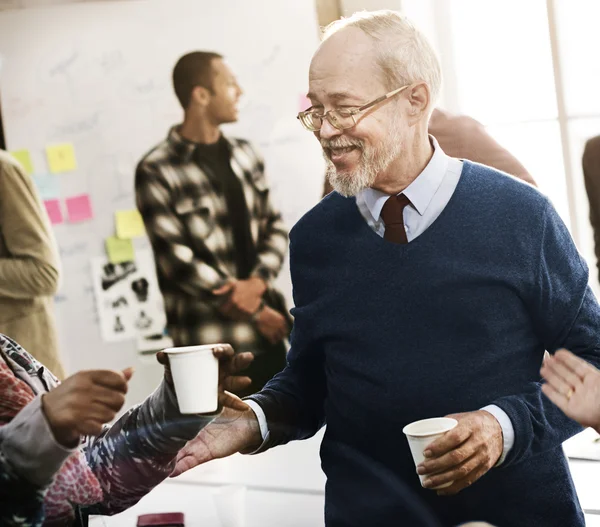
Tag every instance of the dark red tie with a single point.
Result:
(393, 217)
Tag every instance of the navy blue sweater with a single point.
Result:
(459, 318)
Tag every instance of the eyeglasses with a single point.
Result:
(341, 119)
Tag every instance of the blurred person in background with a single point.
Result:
(218, 239)
(29, 266)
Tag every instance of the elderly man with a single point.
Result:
(424, 286)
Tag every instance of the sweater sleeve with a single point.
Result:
(565, 314)
(32, 269)
(293, 401)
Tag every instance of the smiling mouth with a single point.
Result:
(336, 152)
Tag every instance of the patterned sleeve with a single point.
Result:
(138, 452)
(21, 502)
(273, 243)
(174, 257)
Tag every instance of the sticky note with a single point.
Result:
(23, 157)
(47, 185)
(129, 224)
(54, 211)
(61, 158)
(79, 208)
(119, 251)
(303, 103)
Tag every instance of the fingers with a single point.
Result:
(109, 379)
(128, 373)
(459, 471)
(555, 376)
(449, 441)
(108, 398)
(236, 364)
(162, 358)
(463, 483)
(448, 462)
(184, 464)
(224, 289)
(223, 351)
(577, 365)
(229, 400)
(558, 398)
(90, 428)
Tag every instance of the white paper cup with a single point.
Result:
(421, 434)
(230, 502)
(195, 373)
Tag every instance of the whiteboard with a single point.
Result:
(98, 75)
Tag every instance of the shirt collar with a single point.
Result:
(420, 191)
(184, 148)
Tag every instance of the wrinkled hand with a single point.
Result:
(84, 403)
(233, 431)
(574, 386)
(230, 365)
(272, 325)
(244, 297)
(463, 454)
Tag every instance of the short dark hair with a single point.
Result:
(191, 70)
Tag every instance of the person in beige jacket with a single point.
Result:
(463, 137)
(29, 266)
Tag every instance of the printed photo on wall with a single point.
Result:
(129, 302)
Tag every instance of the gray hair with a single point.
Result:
(404, 54)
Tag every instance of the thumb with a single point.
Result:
(223, 289)
(127, 373)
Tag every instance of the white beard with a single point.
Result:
(373, 161)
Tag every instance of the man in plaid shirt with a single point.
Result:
(218, 241)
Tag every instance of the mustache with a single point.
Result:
(341, 142)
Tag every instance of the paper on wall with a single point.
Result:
(128, 298)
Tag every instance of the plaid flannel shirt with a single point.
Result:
(187, 223)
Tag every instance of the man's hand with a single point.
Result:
(84, 403)
(574, 386)
(230, 365)
(244, 297)
(231, 432)
(463, 454)
(272, 325)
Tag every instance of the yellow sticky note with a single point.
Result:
(119, 251)
(23, 157)
(61, 158)
(129, 224)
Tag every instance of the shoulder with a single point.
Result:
(592, 149)
(10, 168)
(244, 147)
(323, 214)
(15, 352)
(443, 122)
(497, 186)
(158, 155)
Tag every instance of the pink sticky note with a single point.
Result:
(303, 103)
(79, 208)
(54, 212)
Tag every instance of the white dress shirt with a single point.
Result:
(429, 194)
